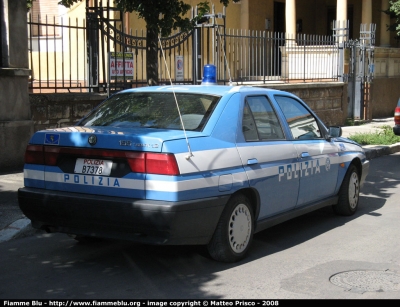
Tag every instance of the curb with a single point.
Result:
(17, 229)
(375, 151)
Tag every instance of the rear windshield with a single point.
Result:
(153, 110)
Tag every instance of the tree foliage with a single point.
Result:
(163, 16)
(394, 12)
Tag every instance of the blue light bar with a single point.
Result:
(209, 74)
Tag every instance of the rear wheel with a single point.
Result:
(349, 193)
(234, 233)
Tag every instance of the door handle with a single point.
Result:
(252, 161)
(305, 155)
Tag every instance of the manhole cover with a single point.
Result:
(367, 281)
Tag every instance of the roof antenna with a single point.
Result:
(226, 61)
(176, 102)
(219, 34)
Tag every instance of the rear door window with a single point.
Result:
(260, 121)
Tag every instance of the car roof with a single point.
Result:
(220, 90)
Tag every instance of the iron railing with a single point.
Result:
(56, 58)
(260, 56)
(61, 61)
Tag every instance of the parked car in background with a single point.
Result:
(396, 128)
(202, 164)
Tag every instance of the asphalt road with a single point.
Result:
(316, 256)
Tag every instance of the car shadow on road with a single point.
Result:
(379, 185)
(307, 227)
(120, 269)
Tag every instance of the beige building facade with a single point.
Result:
(301, 17)
(289, 16)
(292, 17)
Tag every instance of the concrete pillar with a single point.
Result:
(341, 16)
(290, 17)
(366, 16)
(385, 21)
(366, 12)
(244, 14)
(341, 13)
(16, 126)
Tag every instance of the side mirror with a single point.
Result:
(335, 131)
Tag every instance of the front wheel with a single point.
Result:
(234, 232)
(349, 193)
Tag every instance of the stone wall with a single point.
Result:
(61, 110)
(385, 89)
(16, 126)
(384, 96)
(328, 100)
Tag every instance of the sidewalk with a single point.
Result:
(13, 224)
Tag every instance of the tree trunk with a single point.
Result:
(152, 57)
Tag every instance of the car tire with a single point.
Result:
(349, 193)
(234, 232)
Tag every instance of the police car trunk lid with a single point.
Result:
(104, 161)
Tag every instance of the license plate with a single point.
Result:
(93, 167)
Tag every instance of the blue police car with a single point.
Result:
(203, 164)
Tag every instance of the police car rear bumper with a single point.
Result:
(147, 221)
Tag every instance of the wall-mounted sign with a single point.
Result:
(121, 64)
(179, 68)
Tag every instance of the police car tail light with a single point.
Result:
(34, 154)
(152, 163)
(397, 116)
(162, 164)
(136, 161)
(51, 155)
(39, 154)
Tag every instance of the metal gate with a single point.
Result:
(361, 72)
(117, 56)
(100, 54)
